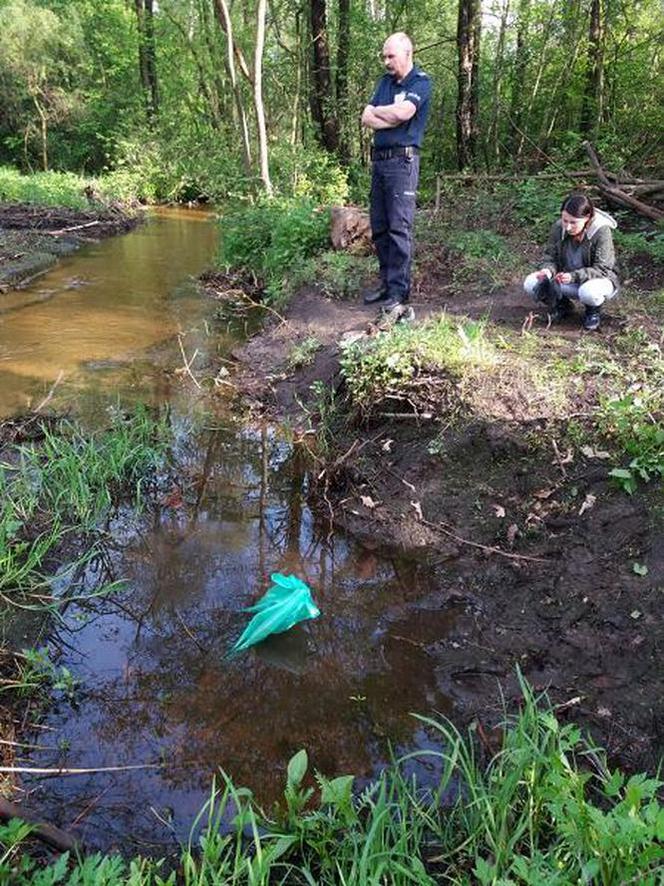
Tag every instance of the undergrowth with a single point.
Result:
(395, 359)
(272, 239)
(542, 809)
(65, 484)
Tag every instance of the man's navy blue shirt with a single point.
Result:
(415, 88)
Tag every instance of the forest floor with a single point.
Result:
(496, 474)
(32, 238)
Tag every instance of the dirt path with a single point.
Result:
(536, 544)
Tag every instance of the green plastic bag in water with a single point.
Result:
(286, 603)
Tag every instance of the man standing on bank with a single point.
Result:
(397, 114)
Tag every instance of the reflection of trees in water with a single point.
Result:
(249, 716)
(340, 687)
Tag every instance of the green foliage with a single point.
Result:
(272, 239)
(634, 423)
(303, 353)
(651, 243)
(537, 201)
(389, 361)
(544, 810)
(44, 188)
(479, 244)
(68, 482)
(309, 174)
(38, 672)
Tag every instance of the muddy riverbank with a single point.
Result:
(501, 487)
(33, 238)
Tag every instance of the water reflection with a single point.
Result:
(161, 687)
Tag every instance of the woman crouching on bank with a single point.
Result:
(579, 263)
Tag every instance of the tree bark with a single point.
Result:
(322, 100)
(258, 95)
(593, 96)
(468, 49)
(343, 52)
(224, 19)
(147, 57)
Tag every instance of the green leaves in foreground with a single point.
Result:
(543, 810)
(286, 603)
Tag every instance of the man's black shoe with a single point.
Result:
(375, 295)
(391, 302)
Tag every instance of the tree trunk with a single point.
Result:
(43, 128)
(343, 52)
(147, 57)
(593, 96)
(258, 95)
(224, 19)
(494, 129)
(322, 100)
(468, 48)
(521, 55)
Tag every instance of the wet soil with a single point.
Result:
(33, 238)
(530, 537)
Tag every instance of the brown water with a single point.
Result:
(101, 310)
(158, 688)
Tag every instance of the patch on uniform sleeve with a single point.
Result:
(414, 97)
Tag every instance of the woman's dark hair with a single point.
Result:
(578, 205)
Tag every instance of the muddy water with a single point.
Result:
(103, 312)
(158, 689)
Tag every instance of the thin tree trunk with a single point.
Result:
(224, 18)
(147, 57)
(343, 52)
(593, 96)
(468, 48)
(494, 141)
(322, 101)
(258, 95)
(43, 128)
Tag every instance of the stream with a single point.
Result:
(157, 687)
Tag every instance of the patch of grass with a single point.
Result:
(542, 808)
(44, 188)
(303, 353)
(66, 483)
(394, 359)
(649, 242)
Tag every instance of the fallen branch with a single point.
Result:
(611, 192)
(47, 398)
(36, 770)
(72, 228)
(488, 549)
(46, 832)
(187, 363)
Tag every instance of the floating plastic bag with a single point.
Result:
(286, 603)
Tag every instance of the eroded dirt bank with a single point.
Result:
(558, 571)
(32, 238)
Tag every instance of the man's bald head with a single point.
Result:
(398, 54)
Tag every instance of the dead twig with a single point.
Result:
(47, 398)
(488, 549)
(187, 363)
(36, 770)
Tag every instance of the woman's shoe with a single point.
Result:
(591, 320)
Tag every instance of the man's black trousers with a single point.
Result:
(393, 190)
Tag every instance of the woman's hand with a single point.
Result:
(563, 277)
(543, 274)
